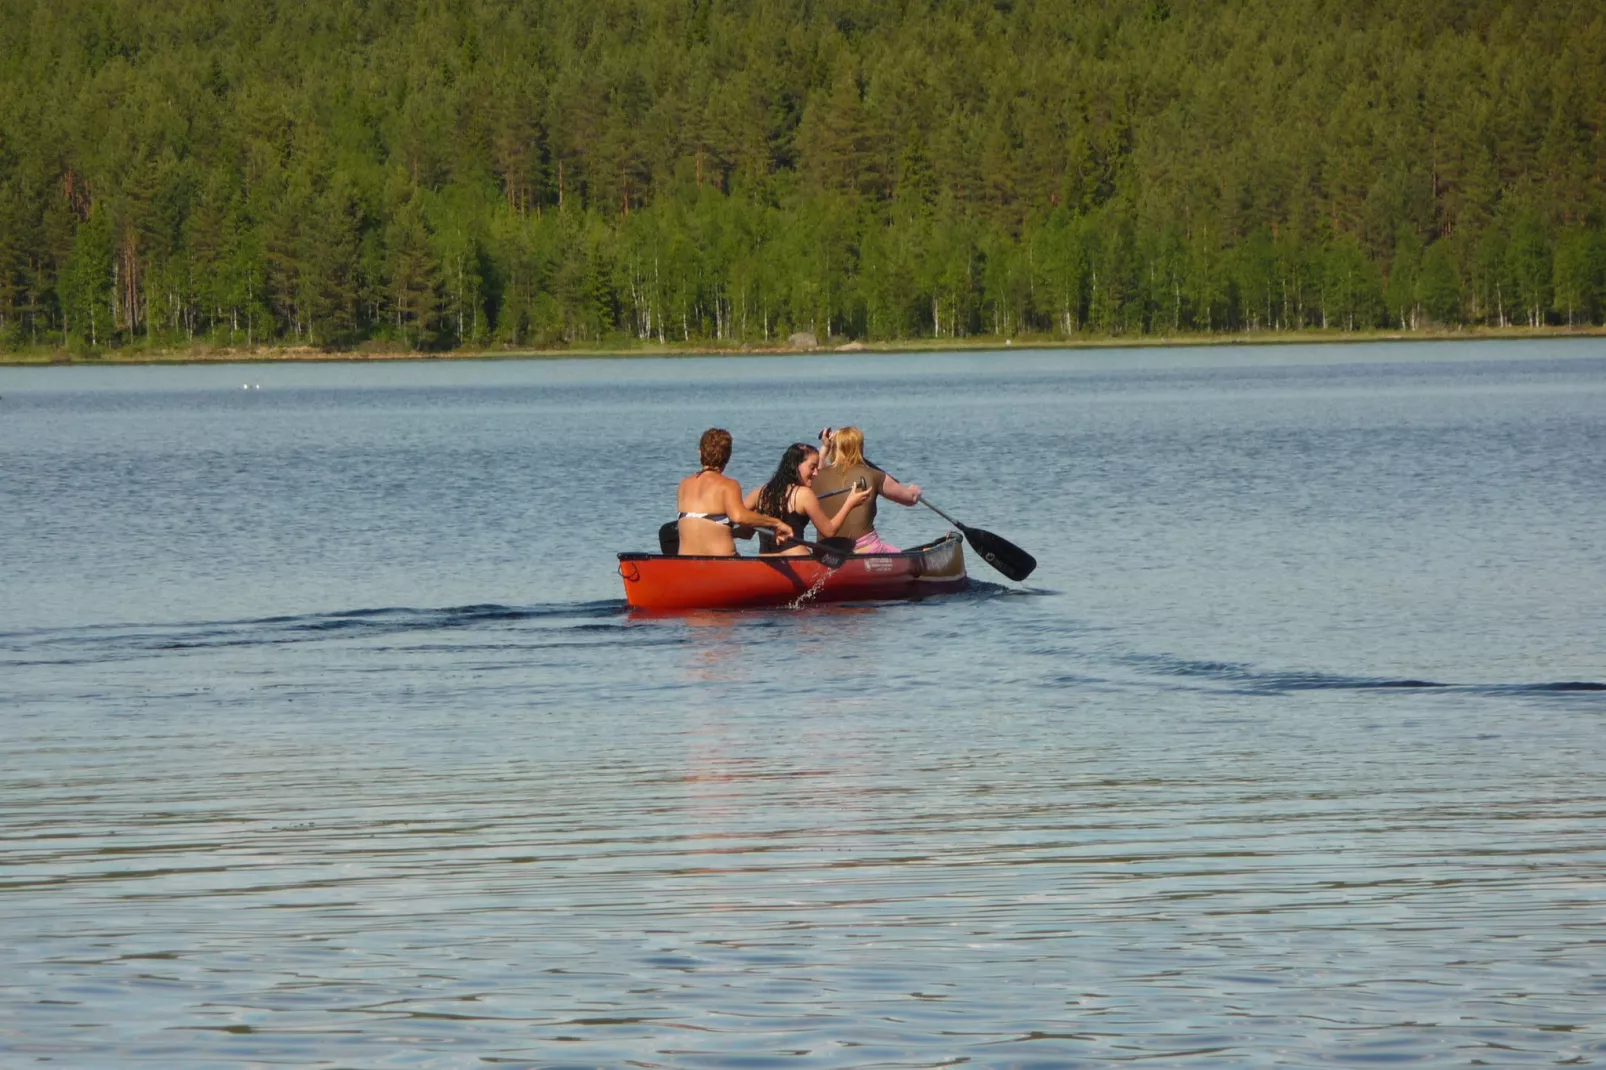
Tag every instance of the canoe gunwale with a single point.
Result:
(923, 550)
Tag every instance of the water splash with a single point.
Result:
(813, 592)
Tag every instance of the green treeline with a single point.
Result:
(473, 173)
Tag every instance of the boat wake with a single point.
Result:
(110, 642)
(516, 635)
(1240, 678)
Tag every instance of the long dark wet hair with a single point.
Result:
(772, 496)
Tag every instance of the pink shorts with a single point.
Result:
(870, 543)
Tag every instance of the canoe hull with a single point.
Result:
(653, 581)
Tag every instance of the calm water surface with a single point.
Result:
(328, 741)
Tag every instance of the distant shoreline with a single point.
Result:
(199, 354)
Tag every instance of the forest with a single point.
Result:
(481, 175)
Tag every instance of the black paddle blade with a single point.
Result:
(669, 538)
(1000, 553)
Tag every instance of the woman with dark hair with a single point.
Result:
(710, 503)
(789, 496)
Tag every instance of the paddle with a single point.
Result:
(669, 545)
(996, 550)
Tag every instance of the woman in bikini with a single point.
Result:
(710, 503)
(788, 496)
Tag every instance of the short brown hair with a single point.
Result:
(715, 448)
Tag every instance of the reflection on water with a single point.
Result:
(1273, 804)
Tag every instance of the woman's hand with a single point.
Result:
(783, 531)
(858, 496)
(904, 495)
(827, 444)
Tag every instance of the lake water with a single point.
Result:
(329, 742)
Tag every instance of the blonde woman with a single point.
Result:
(846, 467)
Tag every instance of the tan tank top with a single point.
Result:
(861, 521)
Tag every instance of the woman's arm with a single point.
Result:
(750, 499)
(827, 525)
(892, 490)
(737, 510)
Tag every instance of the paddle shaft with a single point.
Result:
(940, 513)
(824, 553)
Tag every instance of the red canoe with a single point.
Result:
(653, 581)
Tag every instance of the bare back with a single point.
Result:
(712, 494)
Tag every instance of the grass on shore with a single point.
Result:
(201, 353)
